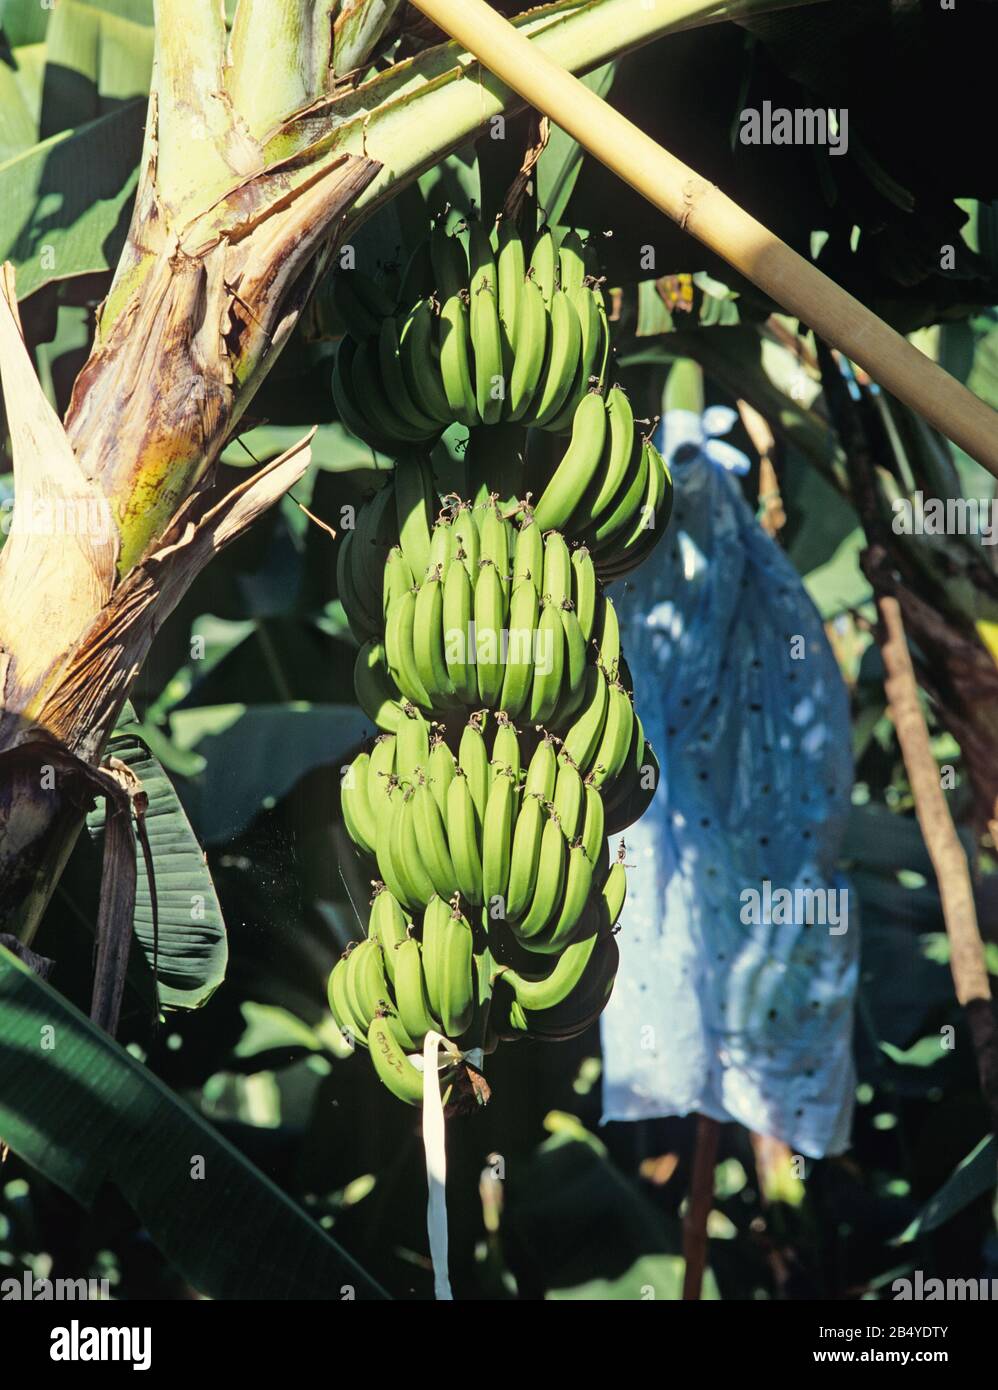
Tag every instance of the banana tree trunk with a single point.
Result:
(224, 247)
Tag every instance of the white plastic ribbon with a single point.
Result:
(435, 1150)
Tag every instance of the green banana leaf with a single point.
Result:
(255, 754)
(193, 952)
(65, 203)
(976, 1175)
(94, 61)
(80, 1109)
(20, 100)
(27, 21)
(559, 165)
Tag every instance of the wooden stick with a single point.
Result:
(719, 223)
(700, 1201)
(967, 962)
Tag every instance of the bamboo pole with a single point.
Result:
(706, 213)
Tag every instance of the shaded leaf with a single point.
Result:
(193, 952)
(65, 203)
(86, 1113)
(972, 1178)
(255, 755)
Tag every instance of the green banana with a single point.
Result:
(489, 632)
(398, 578)
(497, 836)
(530, 350)
(574, 675)
(587, 378)
(400, 651)
(463, 841)
(357, 815)
(408, 856)
(376, 694)
(572, 922)
(558, 983)
(528, 555)
(362, 623)
(615, 888)
(571, 262)
(435, 918)
(393, 1066)
(366, 985)
(523, 617)
(557, 569)
(582, 738)
(593, 823)
(543, 270)
(510, 271)
(421, 363)
(380, 772)
(467, 539)
(428, 640)
(616, 739)
(412, 746)
(394, 382)
(561, 364)
(584, 589)
(486, 337)
(431, 840)
(525, 855)
(369, 388)
(617, 454)
(458, 609)
(388, 925)
(449, 261)
(440, 771)
(568, 796)
(415, 508)
(455, 370)
(546, 687)
(578, 466)
(456, 966)
(411, 995)
(339, 1004)
(505, 749)
(542, 771)
(606, 638)
(473, 760)
(550, 881)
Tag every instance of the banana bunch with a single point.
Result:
(565, 1002)
(431, 972)
(478, 335)
(610, 489)
(508, 824)
(388, 991)
(474, 611)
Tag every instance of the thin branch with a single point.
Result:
(967, 962)
(701, 1199)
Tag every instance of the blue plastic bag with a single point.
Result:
(722, 1006)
